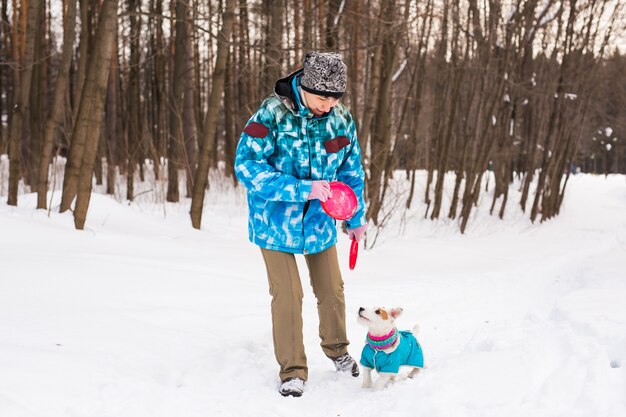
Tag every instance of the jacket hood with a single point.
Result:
(284, 90)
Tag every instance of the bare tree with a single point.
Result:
(176, 149)
(5, 53)
(20, 109)
(219, 73)
(134, 114)
(57, 107)
(381, 125)
(91, 109)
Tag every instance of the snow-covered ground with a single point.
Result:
(141, 315)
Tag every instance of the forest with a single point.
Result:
(527, 92)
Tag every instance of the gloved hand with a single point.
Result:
(320, 190)
(357, 233)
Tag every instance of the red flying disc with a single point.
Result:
(342, 205)
(354, 252)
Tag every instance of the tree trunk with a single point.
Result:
(307, 28)
(190, 132)
(56, 110)
(5, 52)
(274, 53)
(112, 123)
(176, 150)
(372, 78)
(419, 80)
(381, 125)
(134, 119)
(210, 124)
(20, 110)
(37, 105)
(91, 110)
(297, 29)
(86, 11)
(230, 142)
(77, 145)
(353, 60)
(160, 95)
(332, 25)
(442, 162)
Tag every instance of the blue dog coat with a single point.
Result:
(408, 353)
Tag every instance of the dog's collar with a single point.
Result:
(382, 342)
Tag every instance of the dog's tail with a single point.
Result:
(416, 329)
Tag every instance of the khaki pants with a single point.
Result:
(286, 292)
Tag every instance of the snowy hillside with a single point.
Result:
(142, 316)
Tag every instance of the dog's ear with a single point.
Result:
(395, 312)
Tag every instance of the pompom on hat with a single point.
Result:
(324, 74)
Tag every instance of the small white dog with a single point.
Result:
(387, 348)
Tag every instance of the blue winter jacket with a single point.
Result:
(282, 149)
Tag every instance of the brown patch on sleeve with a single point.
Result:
(256, 130)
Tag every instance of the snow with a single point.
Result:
(141, 315)
(341, 6)
(399, 71)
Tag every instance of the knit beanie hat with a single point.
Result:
(324, 74)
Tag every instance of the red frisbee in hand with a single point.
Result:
(342, 205)
(354, 251)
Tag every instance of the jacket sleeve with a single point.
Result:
(253, 169)
(351, 172)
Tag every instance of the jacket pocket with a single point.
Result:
(336, 144)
